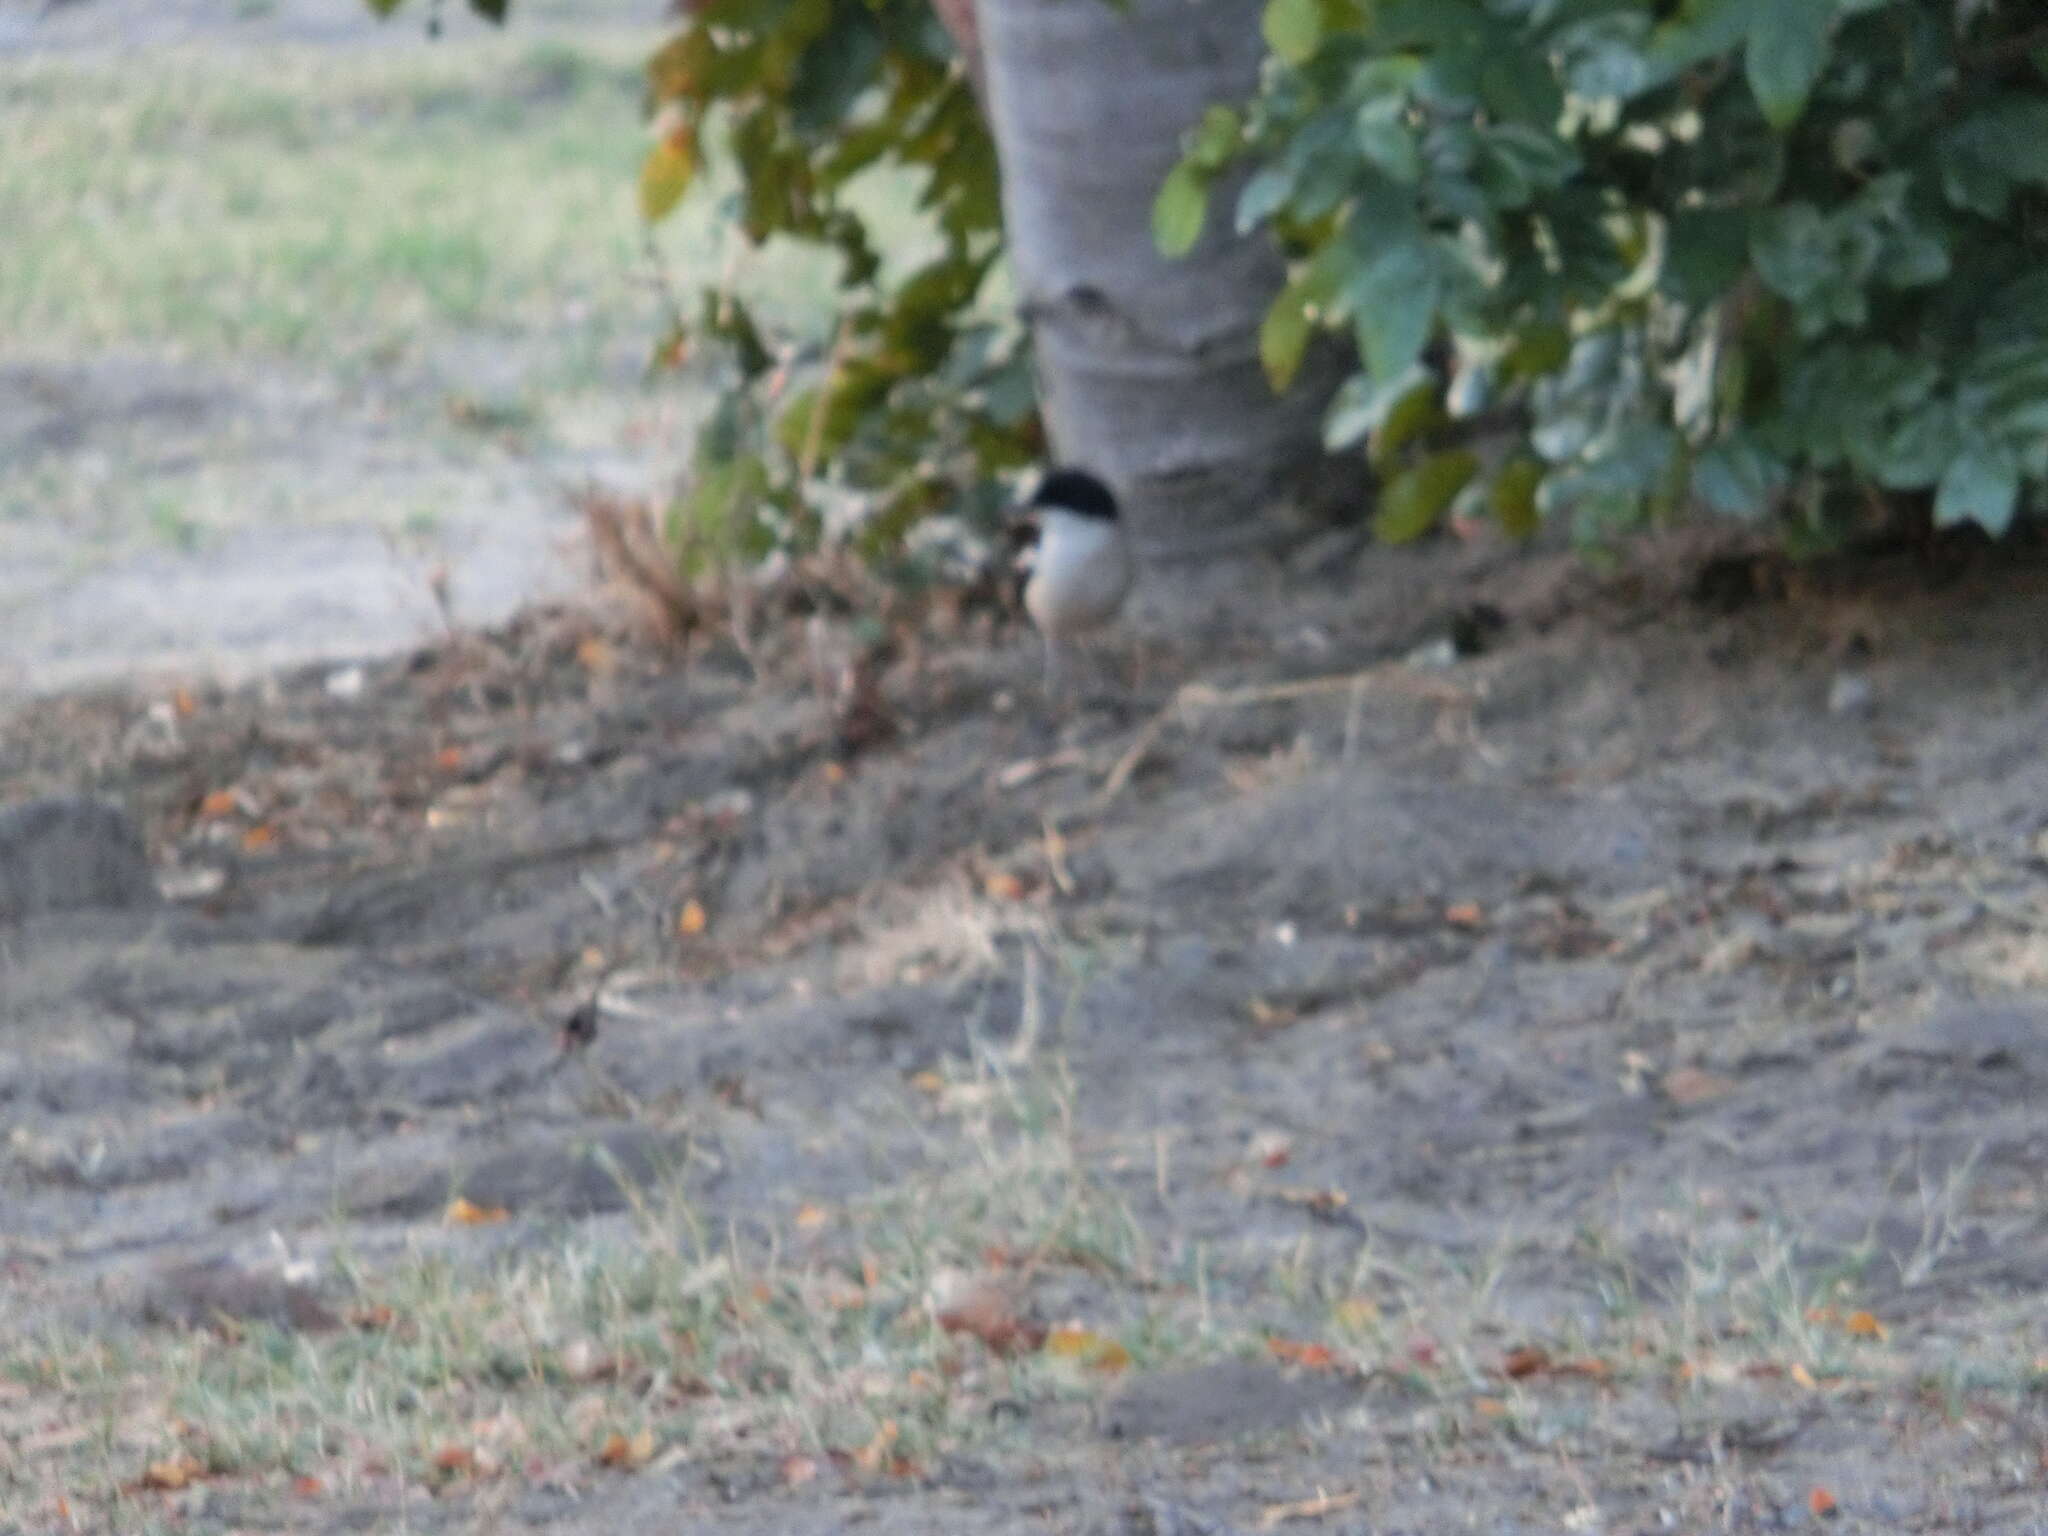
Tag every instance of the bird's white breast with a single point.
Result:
(1080, 572)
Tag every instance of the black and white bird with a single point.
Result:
(1076, 565)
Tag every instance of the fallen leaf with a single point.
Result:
(627, 1452)
(929, 1082)
(1584, 1365)
(1276, 1515)
(308, 1487)
(1803, 1376)
(1525, 1361)
(798, 1470)
(462, 1212)
(1093, 1350)
(371, 1319)
(692, 919)
(1314, 1357)
(872, 1456)
(183, 703)
(1686, 1086)
(1002, 885)
(1464, 914)
(833, 772)
(1864, 1325)
(597, 656)
(259, 837)
(984, 1308)
(455, 1461)
(1490, 1407)
(219, 803)
(810, 1217)
(448, 759)
(1821, 1502)
(173, 1472)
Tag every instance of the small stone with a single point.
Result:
(1851, 694)
(71, 854)
(346, 683)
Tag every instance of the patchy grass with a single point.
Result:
(568, 1360)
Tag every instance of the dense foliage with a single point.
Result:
(925, 392)
(1600, 259)
(1785, 258)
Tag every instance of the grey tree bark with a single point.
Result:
(1148, 368)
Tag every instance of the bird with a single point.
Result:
(1075, 565)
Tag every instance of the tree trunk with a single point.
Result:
(1148, 368)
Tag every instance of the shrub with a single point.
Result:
(1787, 259)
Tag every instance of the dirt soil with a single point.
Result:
(1701, 911)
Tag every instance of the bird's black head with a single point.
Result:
(1077, 491)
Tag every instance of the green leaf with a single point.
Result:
(1916, 452)
(1180, 210)
(1361, 405)
(383, 8)
(1413, 500)
(1706, 251)
(1262, 197)
(2010, 134)
(1788, 48)
(1292, 29)
(1982, 486)
(1736, 477)
(1393, 296)
(666, 173)
(1540, 350)
(1410, 415)
(491, 10)
(839, 64)
(1283, 336)
(1215, 139)
(1512, 496)
(1386, 140)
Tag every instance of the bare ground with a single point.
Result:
(1603, 1071)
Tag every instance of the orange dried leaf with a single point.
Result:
(1803, 1376)
(173, 1472)
(627, 1452)
(1490, 1407)
(692, 920)
(810, 1217)
(372, 1319)
(218, 803)
(455, 1460)
(1821, 1502)
(462, 1212)
(875, 1453)
(1276, 1515)
(1002, 885)
(929, 1082)
(1525, 1361)
(308, 1487)
(183, 703)
(1864, 1325)
(597, 656)
(798, 1470)
(1093, 1350)
(259, 837)
(1584, 1365)
(448, 759)
(1464, 914)
(1314, 1357)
